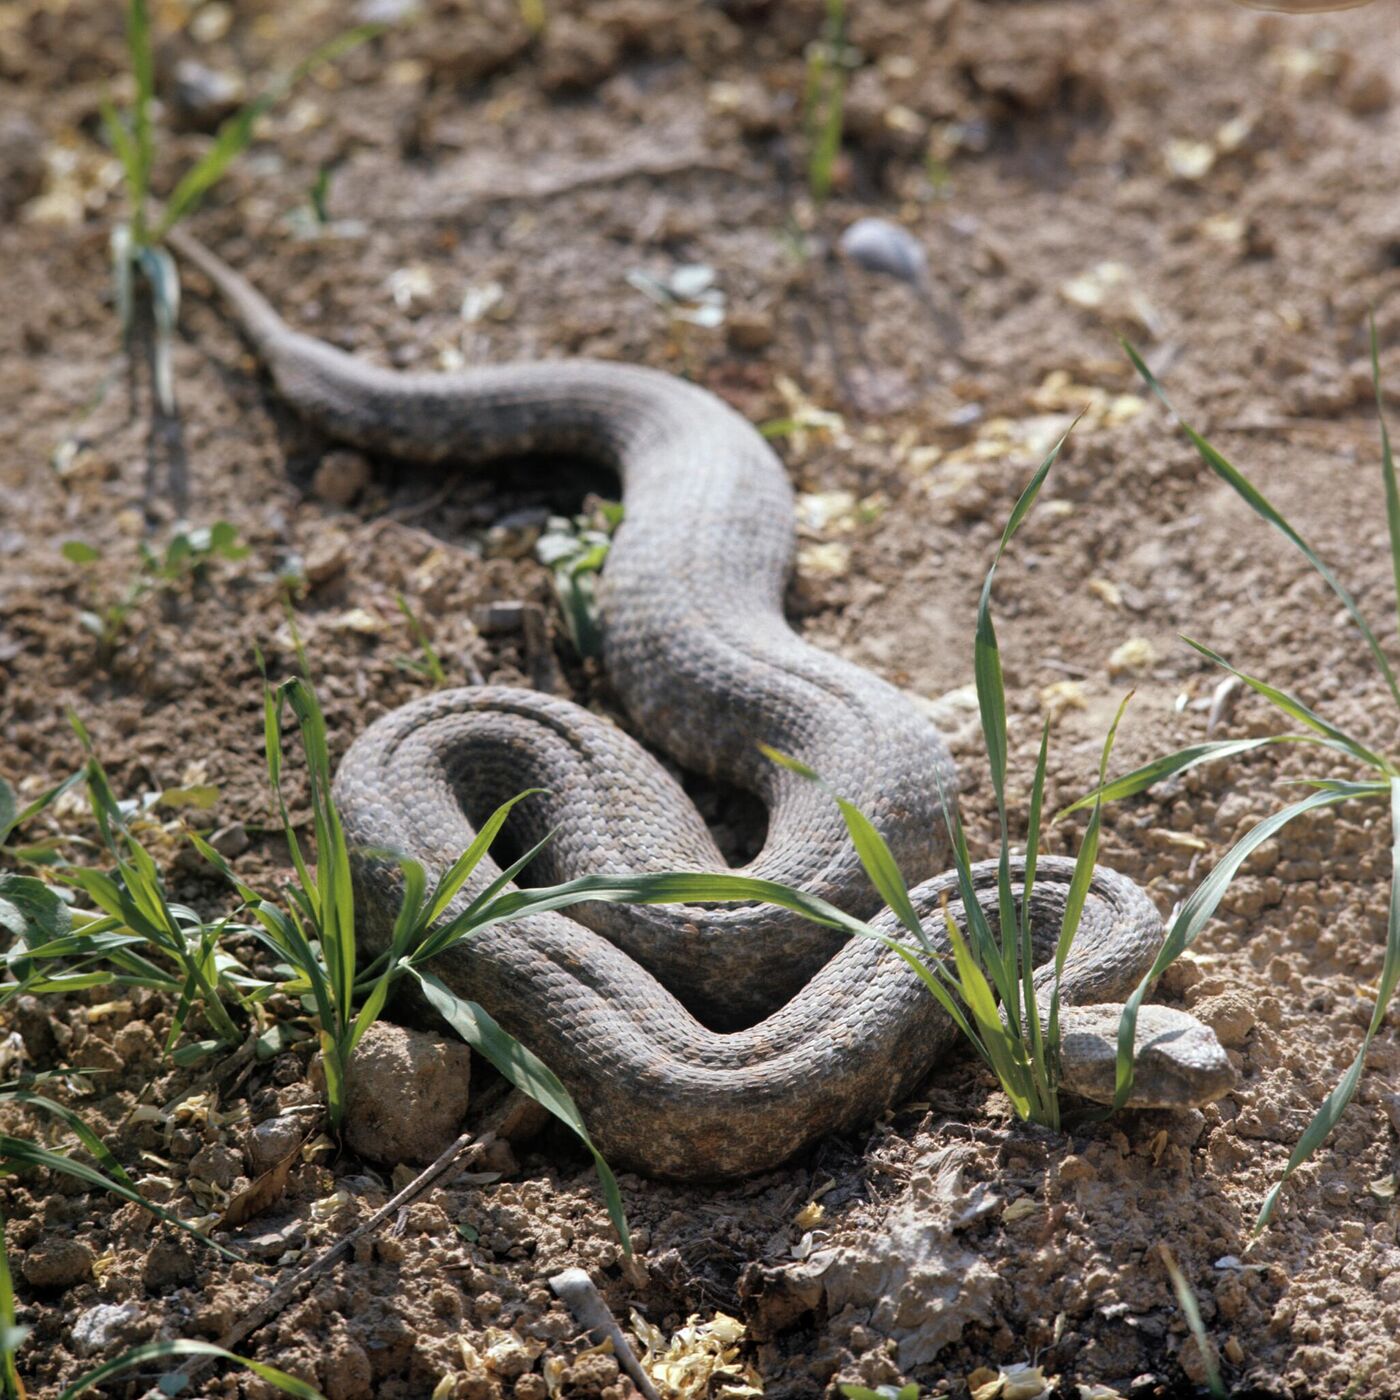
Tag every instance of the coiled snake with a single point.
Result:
(698, 1042)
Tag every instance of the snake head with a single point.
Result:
(1178, 1062)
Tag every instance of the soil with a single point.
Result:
(1216, 184)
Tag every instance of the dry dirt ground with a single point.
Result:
(1217, 184)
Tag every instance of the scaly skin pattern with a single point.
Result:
(699, 1042)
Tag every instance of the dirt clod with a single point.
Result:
(406, 1095)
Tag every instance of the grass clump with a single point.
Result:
(186, 558)
(575, 550)
(1370, 777)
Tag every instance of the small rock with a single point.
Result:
(499, 1157)
(101, 1327)
(216, 1164)
(1230, 1015)
(35, 1025)
(326, 559)
(749, 329)
(341, 476)
(21, 161)
(273, 1244)
(271, 1142)
(1367, 93)
(137, 1045)
(204, 96)
(575, 55)
(168, 1262)
(877, 245)
(57, 1263)
(406, 1095)
(230, 841)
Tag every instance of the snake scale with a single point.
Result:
(698, 1042)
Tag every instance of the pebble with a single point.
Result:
(406, 1095)
(204, 95)
(230, 840)
(271, 1142)
(748, 329)
(341, 476)
(57, 1264)
(326, 559)
(877, 245)
(100, 1327)
(21, 161)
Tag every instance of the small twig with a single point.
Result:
(582, 1299)
(465, 1146)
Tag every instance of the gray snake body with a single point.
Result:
(697, 1041)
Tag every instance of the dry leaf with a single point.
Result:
(1057, 698)
(1136, 654)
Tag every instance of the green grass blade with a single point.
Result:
(1392, 493)
(1194, 914)
(986, 656)
(1260, 504)
(86, 1136)
(159, 1351)
(1002, 1042)
(1088, 854)
(409, 918)
(1140, 779)
(461, 869)
(17, 1152)
(1187, 1300)
(1038, 1057)
(529, 1074)
(1335, 1104)
(872, 848)
(1294, 708)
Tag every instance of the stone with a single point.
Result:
(168, 1262)
(272, 1142)
(204, 96)
(230, 841)
(21, 161)
(748, 329)
(217, 1164)
(341, 476)
(57, 1263)
(100, 1328)
(406, 1095)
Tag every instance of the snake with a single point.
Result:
(698, 1041)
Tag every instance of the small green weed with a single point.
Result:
(1186, 1297)
(185, 558)
(575, 551)
(427, 663)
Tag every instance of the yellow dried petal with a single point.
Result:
(1136, 654)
